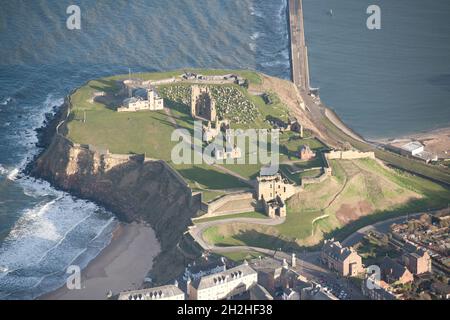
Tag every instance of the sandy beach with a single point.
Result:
(435, 141)
(122, 265)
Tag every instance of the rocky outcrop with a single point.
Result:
(133, 189)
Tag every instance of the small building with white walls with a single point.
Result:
(413, 148)
(151, 102)
(223, 285)
(169, 292)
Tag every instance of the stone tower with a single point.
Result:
(203, 105)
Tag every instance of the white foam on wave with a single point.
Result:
(36, 119)
(3, 170)
(6, 101)
(49, 236)
(54, 232)
(39, 228)
(282, 12)
(256, 35)
(254, 11)
(12, 175)
(271, 64)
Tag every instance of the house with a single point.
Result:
(394, 273)
(442, 290)
(258, 292)
(274, 274)
(169, 292)
(196, 271)
(417, 262)
(223, 285)
(269, 272)
(345, 260)
(306, 153)
(413, 148)
(151, 101)
(379, 291)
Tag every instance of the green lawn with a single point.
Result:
(242, 235)
(208, 195)
(125, 133)
(208, 177)
(240, 256)
(145, 132)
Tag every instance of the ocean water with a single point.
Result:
(383, 83)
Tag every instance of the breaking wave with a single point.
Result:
(55, 231)
(47, 238)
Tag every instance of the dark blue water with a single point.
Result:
(42, 231)
(383, 83)
(388, 82)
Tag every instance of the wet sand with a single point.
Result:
(122, 265)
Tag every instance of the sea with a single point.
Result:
(382, 83)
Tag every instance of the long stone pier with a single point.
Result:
(299, 50)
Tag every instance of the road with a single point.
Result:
(308, 263)
(382, 227)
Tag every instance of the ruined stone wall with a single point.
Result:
(349, 155)
(209, 208)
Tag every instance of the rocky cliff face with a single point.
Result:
(134, 190)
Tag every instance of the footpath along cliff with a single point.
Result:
(133, 189)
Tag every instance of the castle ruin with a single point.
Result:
(273, 191)
(203, 105)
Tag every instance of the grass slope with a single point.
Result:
(360, 192)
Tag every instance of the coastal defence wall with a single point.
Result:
(134, 188)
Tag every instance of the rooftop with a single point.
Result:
(335, 250)
(393, 268)
(411, 146)
(266, 264)
(157, 293)
(222, 277)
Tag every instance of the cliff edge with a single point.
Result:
(133, 189)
